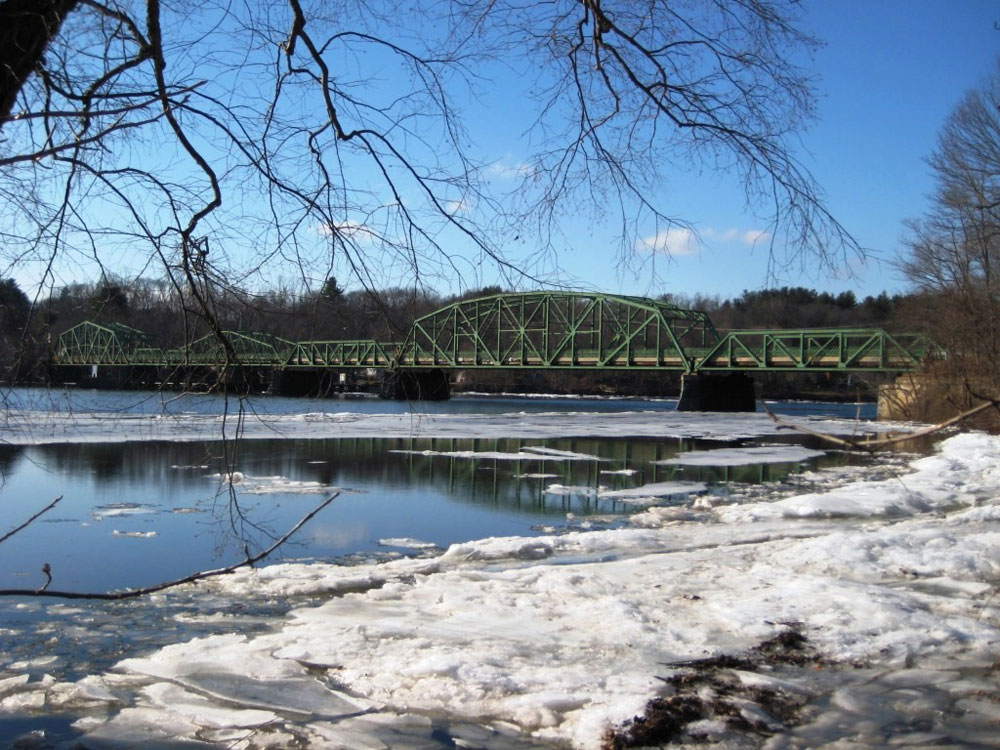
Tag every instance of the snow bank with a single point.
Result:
(558, 638)
(940, 482)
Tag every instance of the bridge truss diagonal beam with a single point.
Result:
(556, 329)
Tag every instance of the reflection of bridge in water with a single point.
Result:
(523, 331)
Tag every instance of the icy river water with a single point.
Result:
(494, 572)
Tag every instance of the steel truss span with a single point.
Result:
(532, 330)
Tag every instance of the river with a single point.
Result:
(155, 486)
(138, 512)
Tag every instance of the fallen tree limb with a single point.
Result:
(193, 578)
(873, 444)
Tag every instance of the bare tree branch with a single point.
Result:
(250, 561)
(31, 520)
(870, 445)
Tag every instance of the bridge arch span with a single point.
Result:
(557, 330)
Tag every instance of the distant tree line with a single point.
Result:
(798, 307)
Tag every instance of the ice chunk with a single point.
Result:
(556, 453)
(89, 691)
(199, 710)
(563, 489)
(26, 700)
(252, 485)
(654, 490)
(112, 510)
(151, 728)
(11, 684)
(764, 454)
(223, 667)
(407, 543)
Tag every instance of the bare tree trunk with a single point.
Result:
(26, 28)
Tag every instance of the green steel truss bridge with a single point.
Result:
(533, 330)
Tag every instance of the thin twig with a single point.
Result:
(31, 520)
(870, 444)
(194, 577)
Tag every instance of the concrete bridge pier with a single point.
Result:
(416, 385)
(314, 383)
(101, 377)
(703, 392)
(243, 380)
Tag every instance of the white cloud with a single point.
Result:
(502, 170)
(680, 241)
(675, 241)
(726, 235)
(456, 207)
(753, 236)
(743, 236)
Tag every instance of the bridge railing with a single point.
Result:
(342, 353)
(569, 358)
(817, 349)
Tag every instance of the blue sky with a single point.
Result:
(887, 77)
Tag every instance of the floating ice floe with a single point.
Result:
(556, 453)
(407, 543)
(113, 510)
(565, 489)
(134, 534)
(762, 454)
(252, 485)
(526, 454)
(651, 492)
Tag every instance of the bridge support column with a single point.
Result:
(416, 385)
(316, 383)
(701, 392)
(104, 377)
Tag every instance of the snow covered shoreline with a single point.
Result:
(553, 641)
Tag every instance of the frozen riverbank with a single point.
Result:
(888, 585)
